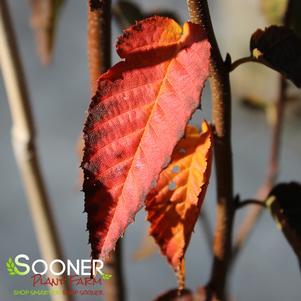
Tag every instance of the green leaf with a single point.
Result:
(280, 48)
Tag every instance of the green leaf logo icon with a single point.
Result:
(11, 269)
(105, 276)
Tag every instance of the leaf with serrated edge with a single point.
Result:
(136, 118)
(174, 205)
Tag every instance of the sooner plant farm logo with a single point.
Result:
(75, 274)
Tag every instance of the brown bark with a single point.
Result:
(99, 39)
(221, 102)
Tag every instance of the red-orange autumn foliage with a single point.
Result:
(174, 205)
(136, 118)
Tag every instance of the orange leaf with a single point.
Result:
(136, 118)
(174, 205)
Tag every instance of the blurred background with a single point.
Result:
(266, 270)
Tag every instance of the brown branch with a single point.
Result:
(114, 289)
(23, 140)
(221, 97)
(99, 39)
(99, 58)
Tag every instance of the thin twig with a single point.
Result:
(241, 61)
(245, 203)
(248, 59)
(23, 140)
(99, 57)
(221, 98)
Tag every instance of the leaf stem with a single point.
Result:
(241, 61)
(221, 98)
(242, 204)
(248, 59)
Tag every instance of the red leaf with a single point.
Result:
(174, 205)
(136, 118)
